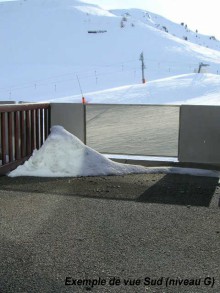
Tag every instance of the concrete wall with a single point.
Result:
(199, 136)
(71, 117)
(199, 130)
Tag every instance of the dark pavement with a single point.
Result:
(163, 227)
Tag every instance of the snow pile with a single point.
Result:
(64, 155)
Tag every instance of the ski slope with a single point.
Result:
(180, 30)
(50, 51)
(194, 88)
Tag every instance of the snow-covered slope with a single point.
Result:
(194, 88)
(181, 30)
(47, 45)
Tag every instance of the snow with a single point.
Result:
(47, 50)
(194, 88)
(47, 45)
(94, 11)
(64, 155)
(174, 29)
(141, 158)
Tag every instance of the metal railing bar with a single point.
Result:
(49, 120)
(22, 107)
(28, 135)
(37, 117)
(11, 166)
(10, 140)
(45, 122)
(41, 127)
(3, 138)
(135, 105)
(22, 133)
(16, 130)
(33, 141)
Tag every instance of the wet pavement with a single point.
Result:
(133, 233)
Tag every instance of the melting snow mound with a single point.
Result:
(64, 155)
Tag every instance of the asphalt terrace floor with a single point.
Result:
(161, 233)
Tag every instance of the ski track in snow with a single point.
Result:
(198, 89)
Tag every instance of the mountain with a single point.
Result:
(182, 31)
(52, 48)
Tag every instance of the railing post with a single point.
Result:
(33, 142)
(10, 141)
(180, 113)
(49, 119)
(37, 117)
(46, 122)
(3, 138)
(41, 127)
(22, 133)
(84, 114)
(16, 130)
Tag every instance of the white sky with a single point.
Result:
(197, 14)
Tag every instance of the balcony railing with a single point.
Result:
(23, 128)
